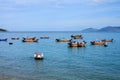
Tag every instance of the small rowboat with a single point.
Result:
(38, 56)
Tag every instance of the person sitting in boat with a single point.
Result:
(36, 55)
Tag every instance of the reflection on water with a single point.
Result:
(75, 50)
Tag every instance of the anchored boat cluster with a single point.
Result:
(71, 42)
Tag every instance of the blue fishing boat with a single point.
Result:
(3, 39)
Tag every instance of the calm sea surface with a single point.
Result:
(61, 62)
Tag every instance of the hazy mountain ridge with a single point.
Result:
(2, 30)
(90, 30)
(105, 29)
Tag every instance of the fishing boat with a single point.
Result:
(97, 42)
(77, 44)
(3, 39)
(17, 38)
(38, 56)
(77, 36)
(73, 44)
(63, 40)
(44, 37)
(106, 40)
(30, 39)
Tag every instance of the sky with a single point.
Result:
(58, 15)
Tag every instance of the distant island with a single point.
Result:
(87, 30)
(105, 29)
(2, 30)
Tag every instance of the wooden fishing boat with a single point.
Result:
(77, 44)
(97, 43)
(63, 40)
(106, 40)
(3, 39)
(15, 38)
(77, 36)
(30, 40)
(38, 56)
(72, 44)
(44, 37)
(81, 44)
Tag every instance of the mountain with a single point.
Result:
(109, 29)
(105, 29)
(2, 30)
(90, 30)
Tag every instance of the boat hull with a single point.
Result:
(97, 43)
(3, 39)
(105, 40)
(77, 36)
(44, 37)
(63, 40)
(36, 58)
(15, 38)
(77, 44)
(30, 39)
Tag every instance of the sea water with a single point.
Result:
(61, 62)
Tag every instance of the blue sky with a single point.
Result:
(58, 15)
